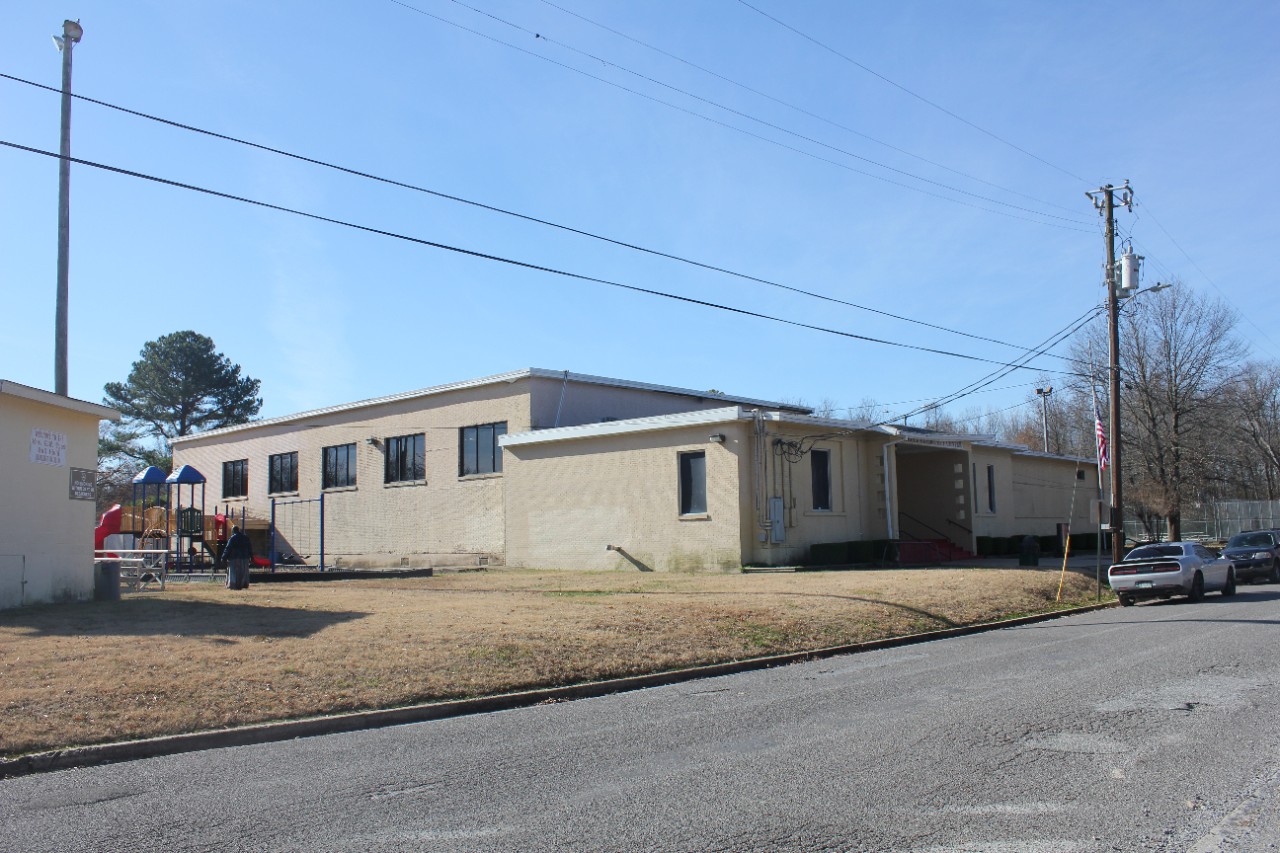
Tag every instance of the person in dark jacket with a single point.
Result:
(237, 553)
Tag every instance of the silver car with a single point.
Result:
(1166, 569)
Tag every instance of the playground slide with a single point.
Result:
(108, 525)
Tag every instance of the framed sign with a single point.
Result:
(83, 483)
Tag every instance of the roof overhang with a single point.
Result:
(84, 407)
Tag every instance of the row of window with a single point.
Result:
(404, 461)
(693, 481)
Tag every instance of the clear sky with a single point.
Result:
(924, 159)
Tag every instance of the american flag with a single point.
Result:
(1104, 455)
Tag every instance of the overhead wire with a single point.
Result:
(505, 212)
(1264, 340)
(915, 95)
(985, 381)
(799, 109)
(521, 264)
(766, 139)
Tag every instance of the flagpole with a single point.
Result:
(1098, 458)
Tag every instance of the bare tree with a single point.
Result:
(1254, 420)
(1178, 358)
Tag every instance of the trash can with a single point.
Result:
(106, 581)
(1030, 552)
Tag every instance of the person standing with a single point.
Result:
(238, 552)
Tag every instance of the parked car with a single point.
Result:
(1166, 569)
(1256, 555)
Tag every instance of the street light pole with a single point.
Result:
(1043, 394)
(71, 34)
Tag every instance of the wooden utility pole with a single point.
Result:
(1104, 200)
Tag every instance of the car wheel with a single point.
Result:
(1126, 601)
(1229, 588)
(1197, 588)
(1274, 577)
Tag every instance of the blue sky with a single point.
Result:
(976, 236)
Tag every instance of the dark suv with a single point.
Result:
(1255, 554)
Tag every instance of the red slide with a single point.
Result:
(108, 525)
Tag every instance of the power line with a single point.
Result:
(505, 212)
(520, 264)
(757, 136)
(985, 381)
(1265, 335)
(918, 97)
(984, 391)
(796, 107)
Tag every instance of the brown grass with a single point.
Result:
(199, 657)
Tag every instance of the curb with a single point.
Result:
(85, 756)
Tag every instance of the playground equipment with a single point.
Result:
(189, 539)
(294, 525)
(168, 529)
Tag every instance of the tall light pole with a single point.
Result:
(1104, 201)
(1043, 394)
(71, 34)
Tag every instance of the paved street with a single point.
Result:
(1147, 728)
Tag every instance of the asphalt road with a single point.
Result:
(1155, 727)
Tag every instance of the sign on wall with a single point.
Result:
(48, 447)
(82, 484)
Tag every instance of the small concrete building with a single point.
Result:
(551, 469)
(48, 468)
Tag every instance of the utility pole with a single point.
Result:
(1043, 394)
(1104, 200)
(71, 34)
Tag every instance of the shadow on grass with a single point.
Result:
(158, 617)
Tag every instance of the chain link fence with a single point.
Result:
(1219, 520)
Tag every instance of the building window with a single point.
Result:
(478, 450)
(406, 459)
(991, 488)
(235, 478)
(693, 483)
(339, 466)
(820, 463)
(282, 472)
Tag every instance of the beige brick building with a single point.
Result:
(552, 469)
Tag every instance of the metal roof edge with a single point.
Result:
(704, 417)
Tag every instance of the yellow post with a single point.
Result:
(1066, 552)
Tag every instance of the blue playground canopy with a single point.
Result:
(150, 476)
(186, 476)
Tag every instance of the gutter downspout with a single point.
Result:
(761, 490)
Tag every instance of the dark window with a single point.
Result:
(991, 488)
(478, 450)
(282, 472)
(693, 483)
(235, 478)
(820, 462)
(406, 460)
(339, 466)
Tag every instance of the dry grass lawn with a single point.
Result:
(198, 656)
